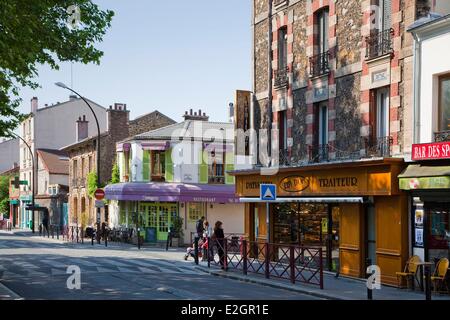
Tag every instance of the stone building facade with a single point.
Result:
(366, 51)
(82, 155)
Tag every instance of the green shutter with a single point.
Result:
(146, 166)
(229, 166)
(203, 167)
(168, 165)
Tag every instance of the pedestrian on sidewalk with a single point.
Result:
(199, 227)
(219, 238)
(45, 222)
(206, 234)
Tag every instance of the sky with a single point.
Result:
(162, 55)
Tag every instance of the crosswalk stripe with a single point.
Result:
(122, 269)
(56, 272)
(55, 263)
(147, 270)
(102, 269)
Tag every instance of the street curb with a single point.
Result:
(268, 284)
(9, 292)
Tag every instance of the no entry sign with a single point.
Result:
(99, 194)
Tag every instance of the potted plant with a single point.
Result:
(177, 229)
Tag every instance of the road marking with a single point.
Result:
(148, 270)
(55, 263)
(102, 269)
(57, 272)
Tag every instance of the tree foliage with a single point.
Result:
(115, 174)
(4, 194)
(92, 183)
(35, 33)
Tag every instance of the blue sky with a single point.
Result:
(164, 55)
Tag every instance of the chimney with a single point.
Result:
(34, 104)
(82, 128)
(195, 116)
(72, 97)
(231, 111)
(117, 119)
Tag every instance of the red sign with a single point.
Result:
(429, 151)
(99, 194)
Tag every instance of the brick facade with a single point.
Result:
(346, 86)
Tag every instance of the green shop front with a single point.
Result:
(428, 182)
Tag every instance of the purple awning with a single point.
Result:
(171, 192)
(156, 145)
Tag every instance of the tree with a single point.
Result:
(115, 174)
(34, 33)
(4, 194)
(91, 183)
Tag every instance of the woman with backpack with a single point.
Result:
(219, 238)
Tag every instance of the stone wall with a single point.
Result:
(260, 6)
(261, 56)
(348, 32)
(348, 118)
(300, 44)
(148, 122)
(299, 147)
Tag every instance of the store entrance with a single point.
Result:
(309, 224)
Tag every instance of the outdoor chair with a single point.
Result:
(410, 271)
(439, 274)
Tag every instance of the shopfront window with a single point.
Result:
(438, 242)
(195, 211)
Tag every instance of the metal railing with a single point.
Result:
(379, 44)
(216, 179)
(379, 147)
(319, 153)
(319, 64)
(281, 77)
(284, 158)
(292, 262)
(279, 2)
(442, 136)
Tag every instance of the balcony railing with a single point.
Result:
(281, 77)
(379, 147)
(319, 64)
(78, 182)
(379, 44)
(74, 182)
(442, 136)
(284, 159)
(319, 153)
(216, 179)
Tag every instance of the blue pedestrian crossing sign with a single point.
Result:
(268, 192)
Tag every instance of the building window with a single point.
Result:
(216, 167)
(281, 75)
(158, 165)
(319, 62)
(90, 164)
(83, 168)
(379, 42)
(379, 141)
(323, 124)
(318, 152)
(282, 132)
(195, 211)
(444, 103)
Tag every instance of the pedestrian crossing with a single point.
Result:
(34, 267)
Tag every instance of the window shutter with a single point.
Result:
(146, 165)
(229, 166)
(203, 170)
(168, 166)
(387, 13)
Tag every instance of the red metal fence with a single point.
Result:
(292, 262)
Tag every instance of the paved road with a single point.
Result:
(35, 268)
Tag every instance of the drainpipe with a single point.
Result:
(270, 71)
(416, 86)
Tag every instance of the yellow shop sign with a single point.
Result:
(294, 183)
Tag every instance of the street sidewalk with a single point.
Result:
(7, 294)
(340, 288)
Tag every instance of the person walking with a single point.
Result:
(45, 222)
(207, 231)
(219, 237)
(199, 227)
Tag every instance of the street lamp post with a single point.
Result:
(62, 85)
(32, 178)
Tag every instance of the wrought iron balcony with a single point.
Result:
(442, 136)
(284, 159)
(281, 77)
(379, 44)
(216, 179)
(380, 147)
(319, 64)
(318, 153)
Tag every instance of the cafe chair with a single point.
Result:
(438, 277)
(410, 272)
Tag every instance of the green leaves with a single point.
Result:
(36, 32)
(115, 175)
(91, 183)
